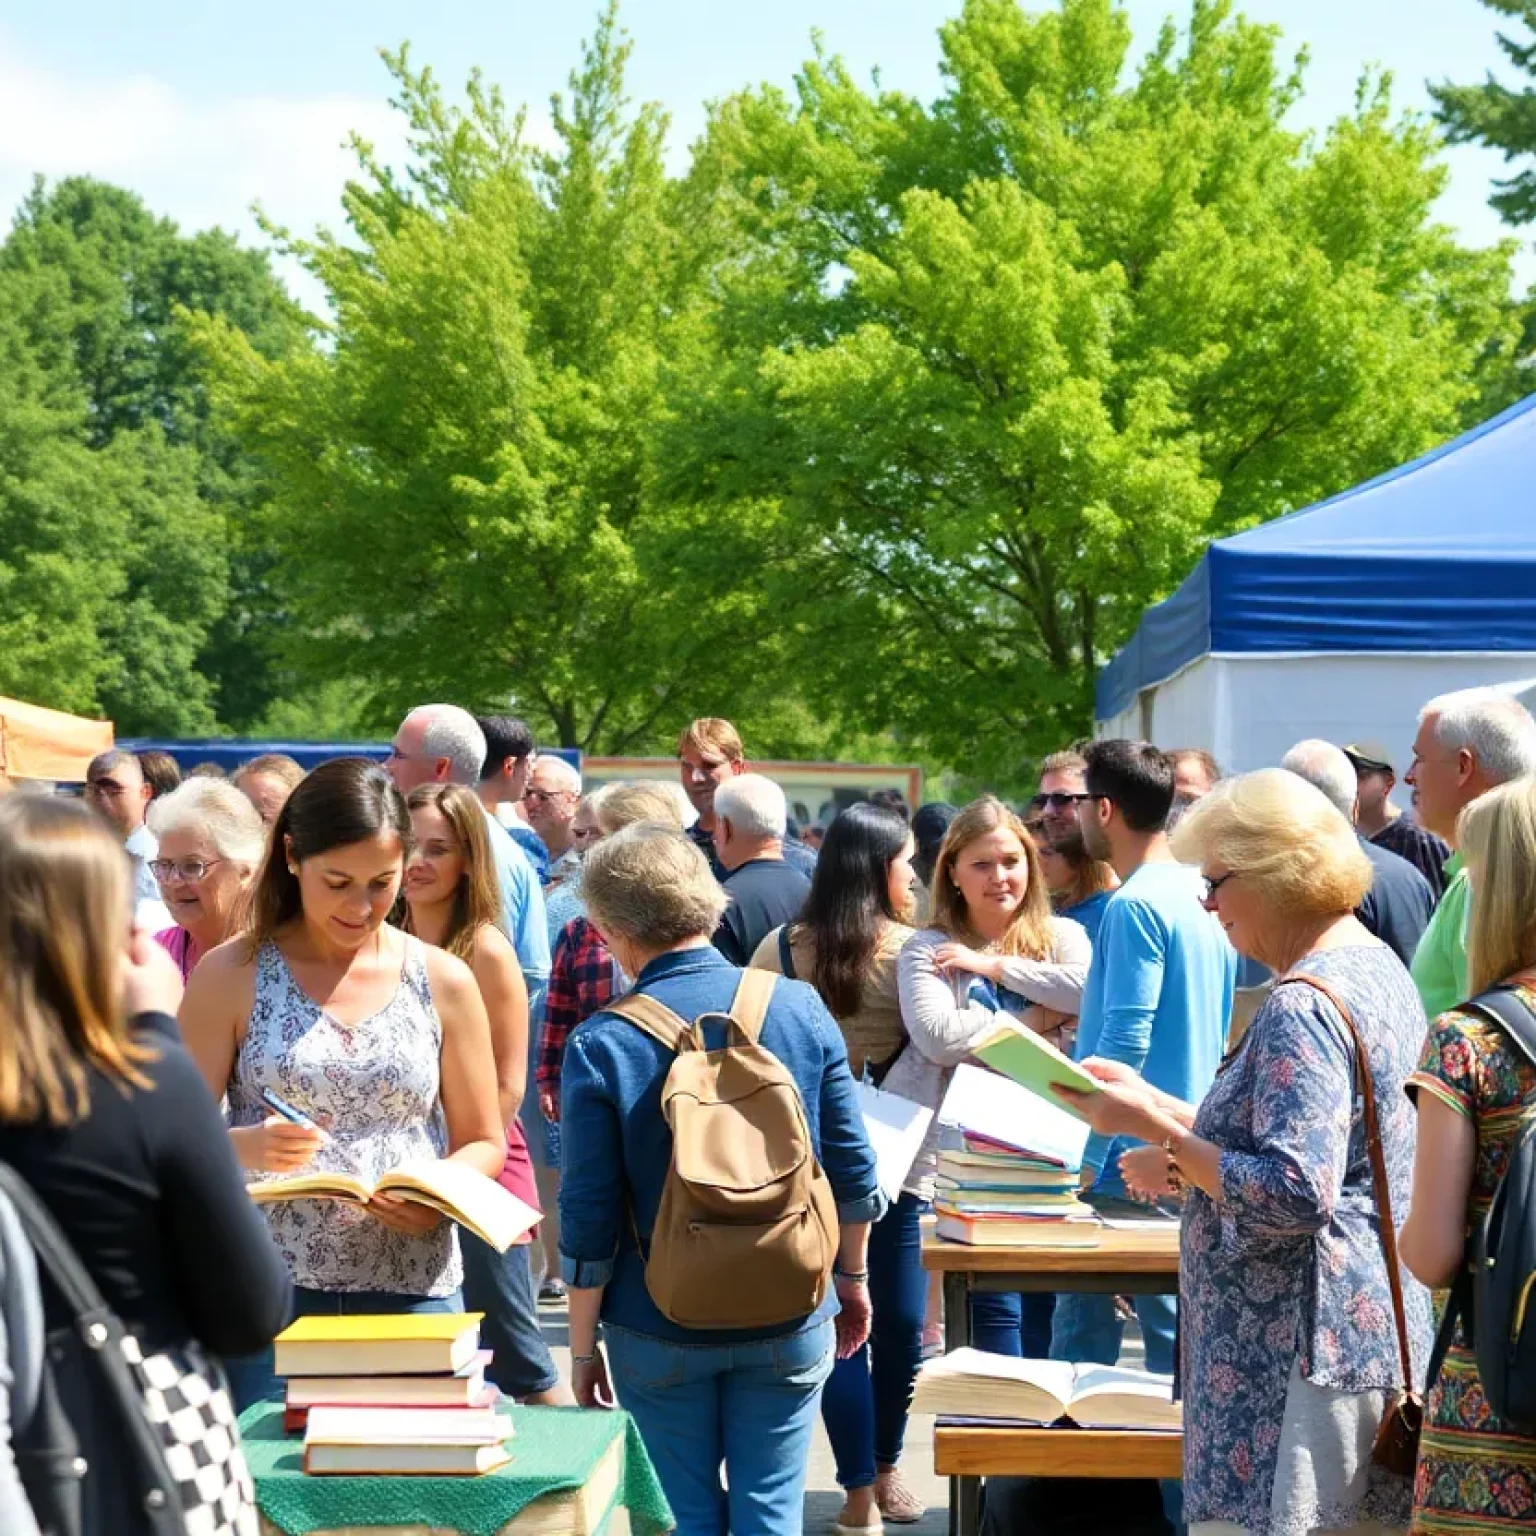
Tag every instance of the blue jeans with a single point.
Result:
(1013, 1323)
(251, 1378)
(543, 1135)
(501, 1286)
(750, 1406)
(865, 1404)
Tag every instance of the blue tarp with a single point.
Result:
(1439, 555)
(229, 752)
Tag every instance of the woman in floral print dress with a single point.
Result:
(1476, 1473)
(1288, 1350)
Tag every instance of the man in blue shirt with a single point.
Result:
(509, 758)
(1158, 998)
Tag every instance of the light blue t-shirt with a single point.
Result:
(1158, 995)
(522, 904)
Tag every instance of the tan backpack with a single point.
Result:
(747, 1229)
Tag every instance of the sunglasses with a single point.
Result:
(1058, 800)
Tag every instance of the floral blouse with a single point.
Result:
(1286, 1269)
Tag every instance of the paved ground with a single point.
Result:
(823, 1498)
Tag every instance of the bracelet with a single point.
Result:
(858, 1276)
(585, 1359)
(1175, 1173)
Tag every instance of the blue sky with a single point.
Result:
(205, 106)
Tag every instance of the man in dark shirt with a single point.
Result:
(1397, 906)
(1385, 825)
(765, 892)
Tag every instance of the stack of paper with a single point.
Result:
(392, 1394)
(972, 1385)
(1013, 1178)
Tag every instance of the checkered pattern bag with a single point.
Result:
(122, 1443)
(187, 1401)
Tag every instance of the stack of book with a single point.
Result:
(991, 1194)
(971, 1387)
(1009, 1168)
(392, 1395)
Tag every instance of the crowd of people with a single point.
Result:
(462, 953)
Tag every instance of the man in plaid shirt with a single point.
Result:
(583, 979)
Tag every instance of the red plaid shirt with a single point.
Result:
(580, 984)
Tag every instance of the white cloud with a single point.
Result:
(200, 163)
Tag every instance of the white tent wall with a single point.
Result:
(1249, 709)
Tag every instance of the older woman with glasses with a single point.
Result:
(211, 844)
(1288, 1301)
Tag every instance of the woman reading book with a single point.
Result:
(846, 945)
(992, 953)
(452, 900)
(380, 1042)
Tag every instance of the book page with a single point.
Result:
(1110, 1395)
(896, 1128)
(492, 1213)
(1002, 1110)
(970, 1381)
(310, 1186)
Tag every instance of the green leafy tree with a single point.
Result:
(998, 367)
(102, 288)
(1502, 118)
(465, 502)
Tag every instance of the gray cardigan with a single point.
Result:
(21, 1362)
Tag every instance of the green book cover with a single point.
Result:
(1032, 1062)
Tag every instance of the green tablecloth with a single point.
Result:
(554, 1449)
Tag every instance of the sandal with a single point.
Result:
(896, 1501)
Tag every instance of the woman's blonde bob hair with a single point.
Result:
(648, 884)
(1496, 834)
(65, 911)
(616, 806)
(1288, 841)
(1029, 933)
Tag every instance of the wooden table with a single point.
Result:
(965, 1450)
(1140, 1260)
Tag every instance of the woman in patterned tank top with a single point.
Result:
(381, 1040)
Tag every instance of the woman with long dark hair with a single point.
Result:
(846, 945)
(452, 900)
(380, 1040)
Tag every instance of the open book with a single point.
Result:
(968, 1383)
(492, 1213)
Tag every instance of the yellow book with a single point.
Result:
(492, 1213)
(392, 1344)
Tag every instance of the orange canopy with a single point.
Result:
(38, 743)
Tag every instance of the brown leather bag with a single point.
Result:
(747, 1229)
(1397, 1439)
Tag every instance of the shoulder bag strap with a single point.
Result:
(1378, 1169)
(786, 954)
(54, 1253)
(1503, 1006)
(654, 1019)
(750, 1005)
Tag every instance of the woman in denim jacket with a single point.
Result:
(702, 1398)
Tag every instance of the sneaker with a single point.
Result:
(552, 1290)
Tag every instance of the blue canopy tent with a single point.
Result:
(1341, 620)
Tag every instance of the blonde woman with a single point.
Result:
(105, 1116)
(453, 900)
(1289, 1349)
(992, 949)
(1475, 1092)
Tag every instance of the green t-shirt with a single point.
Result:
(1440, 961)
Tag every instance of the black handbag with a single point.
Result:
(91, 1460)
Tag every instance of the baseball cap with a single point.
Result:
(1367, 755)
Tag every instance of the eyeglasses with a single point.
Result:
(190, 870)
(544, 796)
(1212, 886)
(1059, 800)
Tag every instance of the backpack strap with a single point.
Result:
(750, 1005)
(786, 954)
(1503, 1006)
(654, 1019)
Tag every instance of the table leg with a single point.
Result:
(964, 1492)
(964, 1506)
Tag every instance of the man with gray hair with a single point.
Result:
(1468, 743)
(751, 816)
(551, 798)
(1399, 902)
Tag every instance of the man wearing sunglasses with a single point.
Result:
(115, 788)
(1063, 785)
